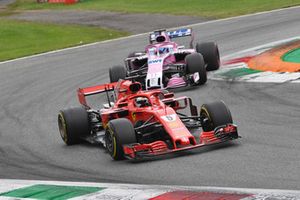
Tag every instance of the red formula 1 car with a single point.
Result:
(139, 124)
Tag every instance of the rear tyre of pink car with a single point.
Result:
(210, 53)
(195, 63)
(116, 73)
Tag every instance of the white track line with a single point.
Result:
(133, 36)
(262, 77)
(268, 45)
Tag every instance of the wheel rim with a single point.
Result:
(110, 142)
(204, 115)
(62, 128)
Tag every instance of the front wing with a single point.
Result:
(219, 135)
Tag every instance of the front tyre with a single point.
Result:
(118, 133)
(214, 114)
(116, 73)
(73, 124)
(195, 64)
(211, 55)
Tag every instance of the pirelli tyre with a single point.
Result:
(117, 72)
(73, 124)
(210, 53)
(118, 133)
(195, 63)
(214, 114)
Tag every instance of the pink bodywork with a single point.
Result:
(159, 56)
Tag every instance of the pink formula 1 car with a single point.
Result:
(165, 64)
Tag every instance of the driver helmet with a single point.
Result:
(160, 38)
(142, 102)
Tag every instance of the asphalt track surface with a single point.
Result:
(34, 89)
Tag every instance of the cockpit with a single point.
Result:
(141, 102)
(161, 50)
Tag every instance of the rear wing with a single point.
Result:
(183, 32)
(88, 91)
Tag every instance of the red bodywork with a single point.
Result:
(157, 111)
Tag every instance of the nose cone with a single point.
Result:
(184, 141)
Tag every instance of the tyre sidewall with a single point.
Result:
(122, 132)
(217, 113)
(116, 73)
(195, 63)
(74, 122)
(211, 55)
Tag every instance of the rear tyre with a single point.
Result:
(118, 133)
(73, 124)
(211, 55)
(116, 73)
(195, 63)
(216, 114)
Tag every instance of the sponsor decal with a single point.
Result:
(169, 118)
(155, 61)
(180, 32)
(196, 77)
(133, 116)
(174, 125)
(153, 81)
(166, 49)
(153, 75)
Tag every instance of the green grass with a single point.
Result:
(206, 8)
(18, 38)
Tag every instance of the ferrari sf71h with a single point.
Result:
(138, 124)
